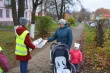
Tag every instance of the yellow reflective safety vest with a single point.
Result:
(1, 49)
(1, 70)
(20, 46)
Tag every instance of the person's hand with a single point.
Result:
(45, 38)
(35, 45)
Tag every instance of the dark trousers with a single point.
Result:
(77, 67)
(23, 66)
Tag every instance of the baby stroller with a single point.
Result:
(60, 59)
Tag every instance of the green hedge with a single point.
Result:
(97, 57)
(71, 21)
(43, 25)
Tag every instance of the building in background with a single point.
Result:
(68, 14)
(6, 12)
(92, 16)
(103, 16)
(107, 16)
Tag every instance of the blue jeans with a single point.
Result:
(23, 66)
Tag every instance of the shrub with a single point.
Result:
(43, 25)
(98, 57)
(71, 21)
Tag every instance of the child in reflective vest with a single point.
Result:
(4, 66)
(76, 56)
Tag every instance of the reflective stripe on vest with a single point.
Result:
(20, 46)
(0, 48)
(1, 70)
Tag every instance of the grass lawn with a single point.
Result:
(7, 40)
(7, 27)
(54, 27)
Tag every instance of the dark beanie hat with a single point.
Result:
(23, 21)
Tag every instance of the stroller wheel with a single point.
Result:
(73, 69)
(51, 66)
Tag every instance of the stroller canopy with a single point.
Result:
(60, 50)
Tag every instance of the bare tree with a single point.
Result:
(83, 15)
(21, 8)
(35, 4)
(58, 6)
(101, 11)
(14, 13)
(49, 8)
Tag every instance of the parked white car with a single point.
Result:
(93, 24)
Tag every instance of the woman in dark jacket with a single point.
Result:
(63, 34)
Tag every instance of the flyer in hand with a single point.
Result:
(40, 42)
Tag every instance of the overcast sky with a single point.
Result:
(92, 5)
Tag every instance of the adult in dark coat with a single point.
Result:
(63, 34)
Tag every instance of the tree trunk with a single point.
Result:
(33, 16)
(35, 4)
(61, 10)
(64, 10)
(100, 33)
(32, 28)
(21, 8)
(14, 13)
(57, 10)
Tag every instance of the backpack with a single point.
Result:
(4, 62)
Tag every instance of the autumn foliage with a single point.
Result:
(96, 57)
(102, 11)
